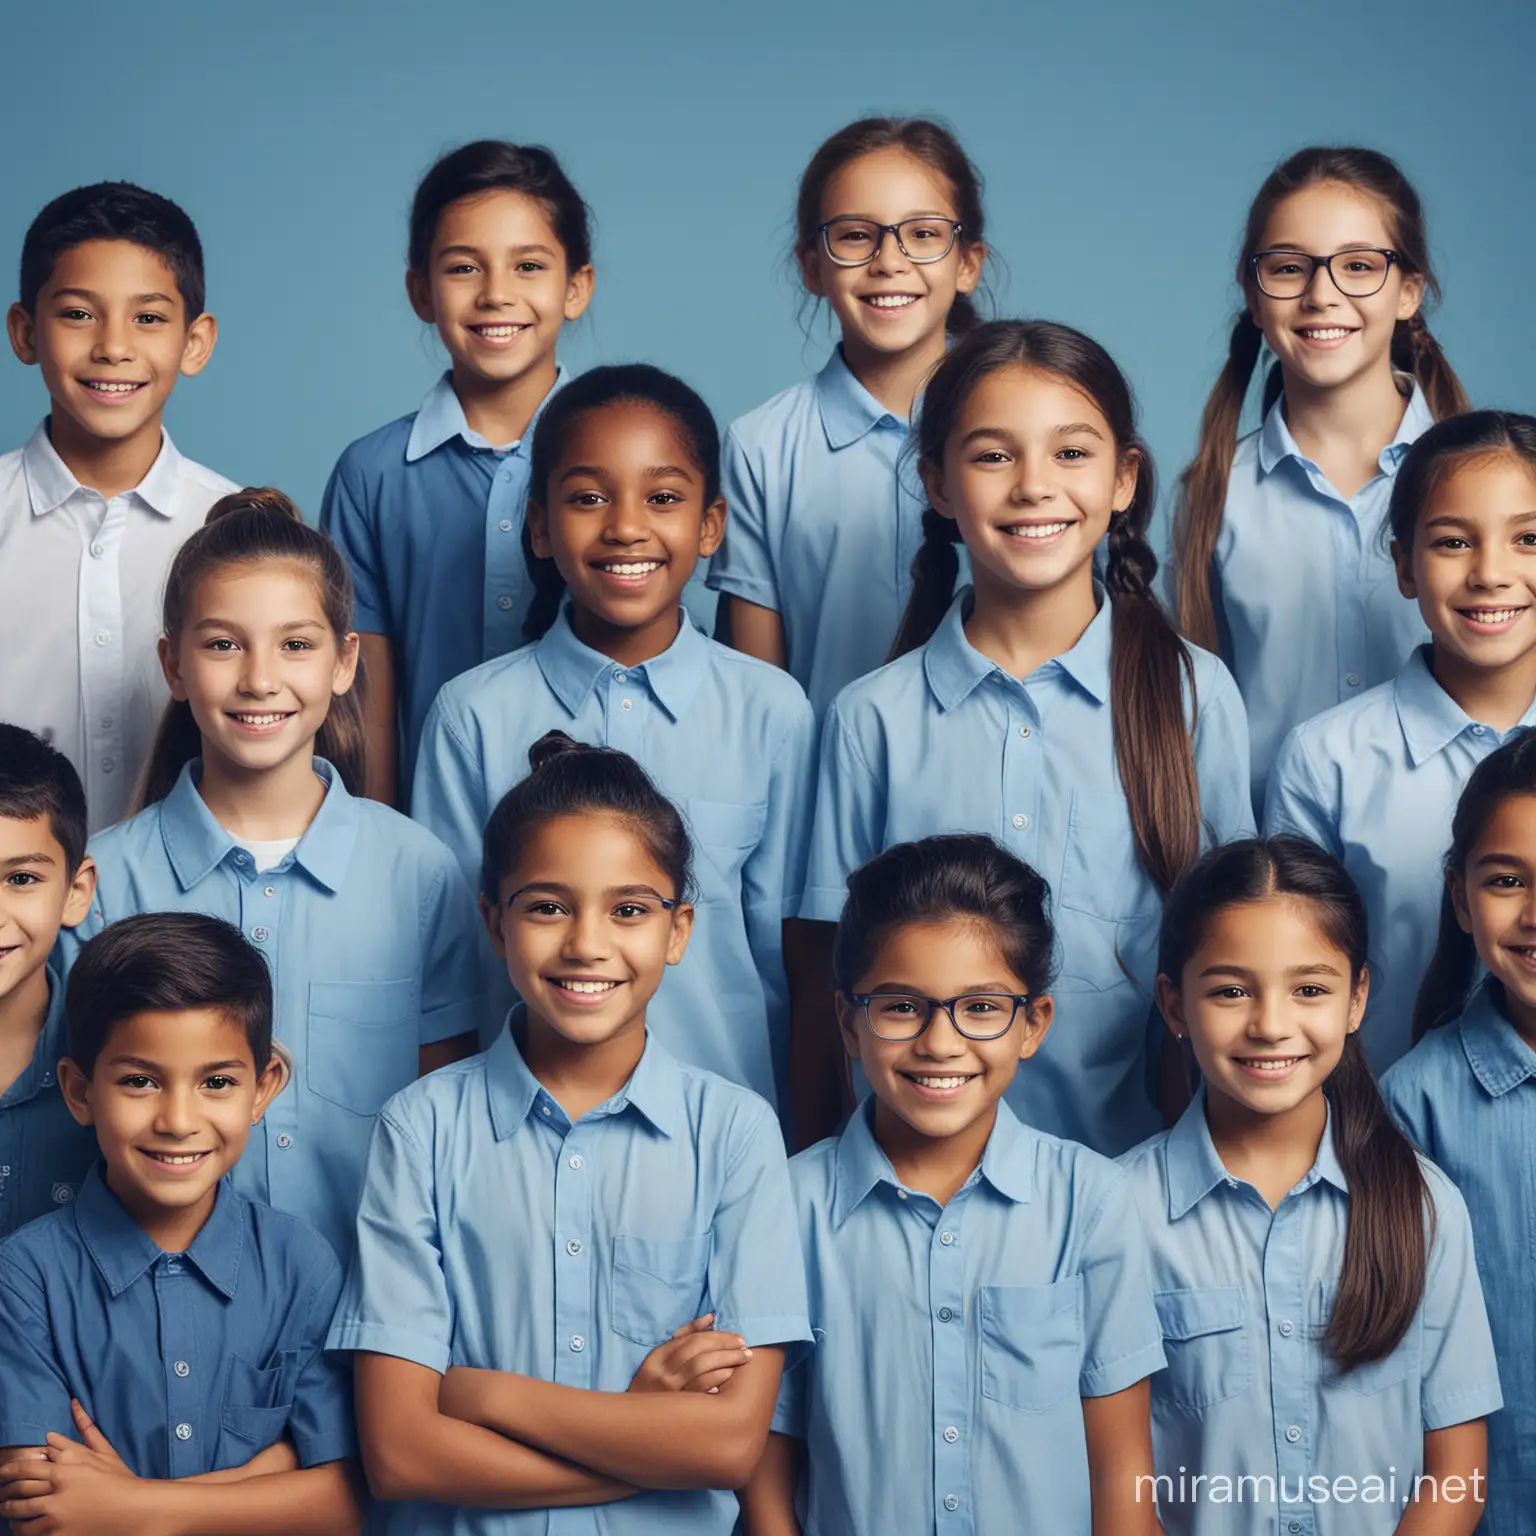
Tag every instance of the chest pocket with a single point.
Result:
(1101, 874)
(725, 835)
(363, 1041)
(1378, 1375)
(257, 1405)
(1031, 1343)
(1206, 1344)
(657, 1286)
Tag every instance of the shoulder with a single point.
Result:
(725, 1113)
(35, 1256)
(1090, 1176)
(382, 826)
(285, 1246)
(442, 1101)
(203, 485)
(813, 1171)
(1214, 683)
(1331, 734)
(771, 687)
(1451, 1214)
(1143, 1165)
(374, 455)
(486, 687)
(1437, 1061)
(782, 417)
(127, 840)
(1245, 459)
(892, 687)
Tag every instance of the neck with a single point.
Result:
(934, 1166)
(1496, 696)
(627, 646)
(1022, 630)
(265, 805)
(895, 379)
(580, 1077)
(500, 410)
(1271, 1152)
(1344, 428)
(110, 467)
(172, 1229)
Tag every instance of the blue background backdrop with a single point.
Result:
(1121, 143)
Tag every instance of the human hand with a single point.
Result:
(80, 1491)
(697, 1358)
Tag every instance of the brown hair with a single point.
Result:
(245, 528)
(925, 140)
(1148, 663)
(1203, 485)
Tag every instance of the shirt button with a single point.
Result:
(242, 857)
(503, 603)
(621, 677)
(626, 704)
(1477, 730)
(901, 1194)
(106, 765)
(578, 1343)
(1294, 1526)
(576, 1162)
(182, 1368)
(183, 1431)
(1024, 732)
(103, 637)
(98, 550)
(951, 1434)
(1352, 678)
(1293, 1434)
(573, 1247)
(544, 1109)
(951, 1502)
(47, 1079)
(1287, 1329)
(1021, 821)
(506, 525)
(271, 890)
(107, 722)
(285, 1141)
(946, 1315)
(260, 934)
(947, 1238)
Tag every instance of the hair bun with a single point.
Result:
(549, 746)
(254, 498)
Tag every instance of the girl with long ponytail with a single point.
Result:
(1062, 716)
(1280, 559)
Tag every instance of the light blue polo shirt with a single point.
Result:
(944, 740)
(730, 740)
(44, 1152)
(824, 522)
(372, 939)
(1306, 594)
(188, 1362)
(955, 1343)
(1466, 1094)
(1376, 781)
(496, 1233)
(1250, 1403)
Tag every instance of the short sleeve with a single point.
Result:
(321, 1421)
(1458, 1372)
(396, 1301)
(347, 517)
(849, 822)
(1402, 1090)
(1294, 801)
(34, 1395)
(448, 796)
(450, 982)
(1222, 761)
(743, 565)
(1122, 1341)
(756, 1272)
(790, 1408)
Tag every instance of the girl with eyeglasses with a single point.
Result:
(978, 1290)
(1281, 561)
(816, 561)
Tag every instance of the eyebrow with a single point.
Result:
(218, 623)
(869, 218)
(1500, 858)
(512, 250)
(994, 988)
(22, 859)
(155, 1066)
(95, 298)
(1067, 429)
(1291, 248)
(1322, 968)
(1454, 520)
(555, 888)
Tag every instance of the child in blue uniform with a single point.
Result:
(251, 815)
(1329, 1360)
(1376, 778)
(1334, 273)
(173, 1326)
(1466, 1093)
(979, 1291)
(816, 563)
(46, 883)
(1064, 717)
(626, 501)
(429, 509)
(549, 1230)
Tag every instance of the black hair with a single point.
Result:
(113, 210)
(570, 778)
(1507, 771)
(957, 875)
(1385, 1247)
(612, 384)
(490, 165)
(1437, 452)
(37, 780)
(166, 962)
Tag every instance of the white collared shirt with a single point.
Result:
(81, 578)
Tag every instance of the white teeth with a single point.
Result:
(940, 1082)
(1328, 333)
(634, 568)
(890, 300)
(1493, 615)
(1038, 531)
(103, 388)
(587, 986)
(177, 1159)
(1269, 1063)
(499, 332)
(260, 719)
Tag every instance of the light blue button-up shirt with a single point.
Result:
(954, 1344)
(372, 940)
(1466, 1094)
(1250, 1402)
(1376, 781)
(44, 1152)
(730, 740)
(496, 1233)
(188, 1362)
(944, 740)
(1306, 593)
(824, 523)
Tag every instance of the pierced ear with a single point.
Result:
(22, 329)
(1170, 1003)
(419, 291)
(1402, 562)
(578, 292)
(536, 518)
(201, 336)
(76, 1088)
(1359, 998)
(713, 531)
(682, 931)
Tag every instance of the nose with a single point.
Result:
(256, 673)
(888, 257)
(1032, 482)
(586, 936)
(941, 1041)
(176, 1111)
(114, 340)
(1321, 292)
(626, 521)
(1488, 566)
(493, 289)
(1268, 1019)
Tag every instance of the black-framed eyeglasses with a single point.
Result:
(856, 242)
(904, 1015)
(1288, 274)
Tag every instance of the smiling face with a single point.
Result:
(582, 927)
(1267, 1001)
(258, 662)
(625, 520)
(1472, 567)
(1031, 473)
(1494, 894)
(497, 289)
(1324, 339)
(892, 305)
(940, 1084)
(39, 894)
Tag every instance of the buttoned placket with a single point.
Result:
(909, 506)
(103, 654)
(190, 1440)
(1022, 763)
(575, 1342)
(626, 694)
(506, 573)
(18, 1148)
(1292, 1345)
(1353, 551)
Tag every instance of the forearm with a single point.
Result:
(380, 727)
(317, 1501)
(1451, 1506)
(768, 1500)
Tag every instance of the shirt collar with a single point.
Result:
(848, 410)
(123, 1251)
(441, 418)
(1430, 718)
(51, 482)
(572, 669)
(196, 844)
(1499, 1058)
(1276, 443)
(654, 1089)
(954, 667)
